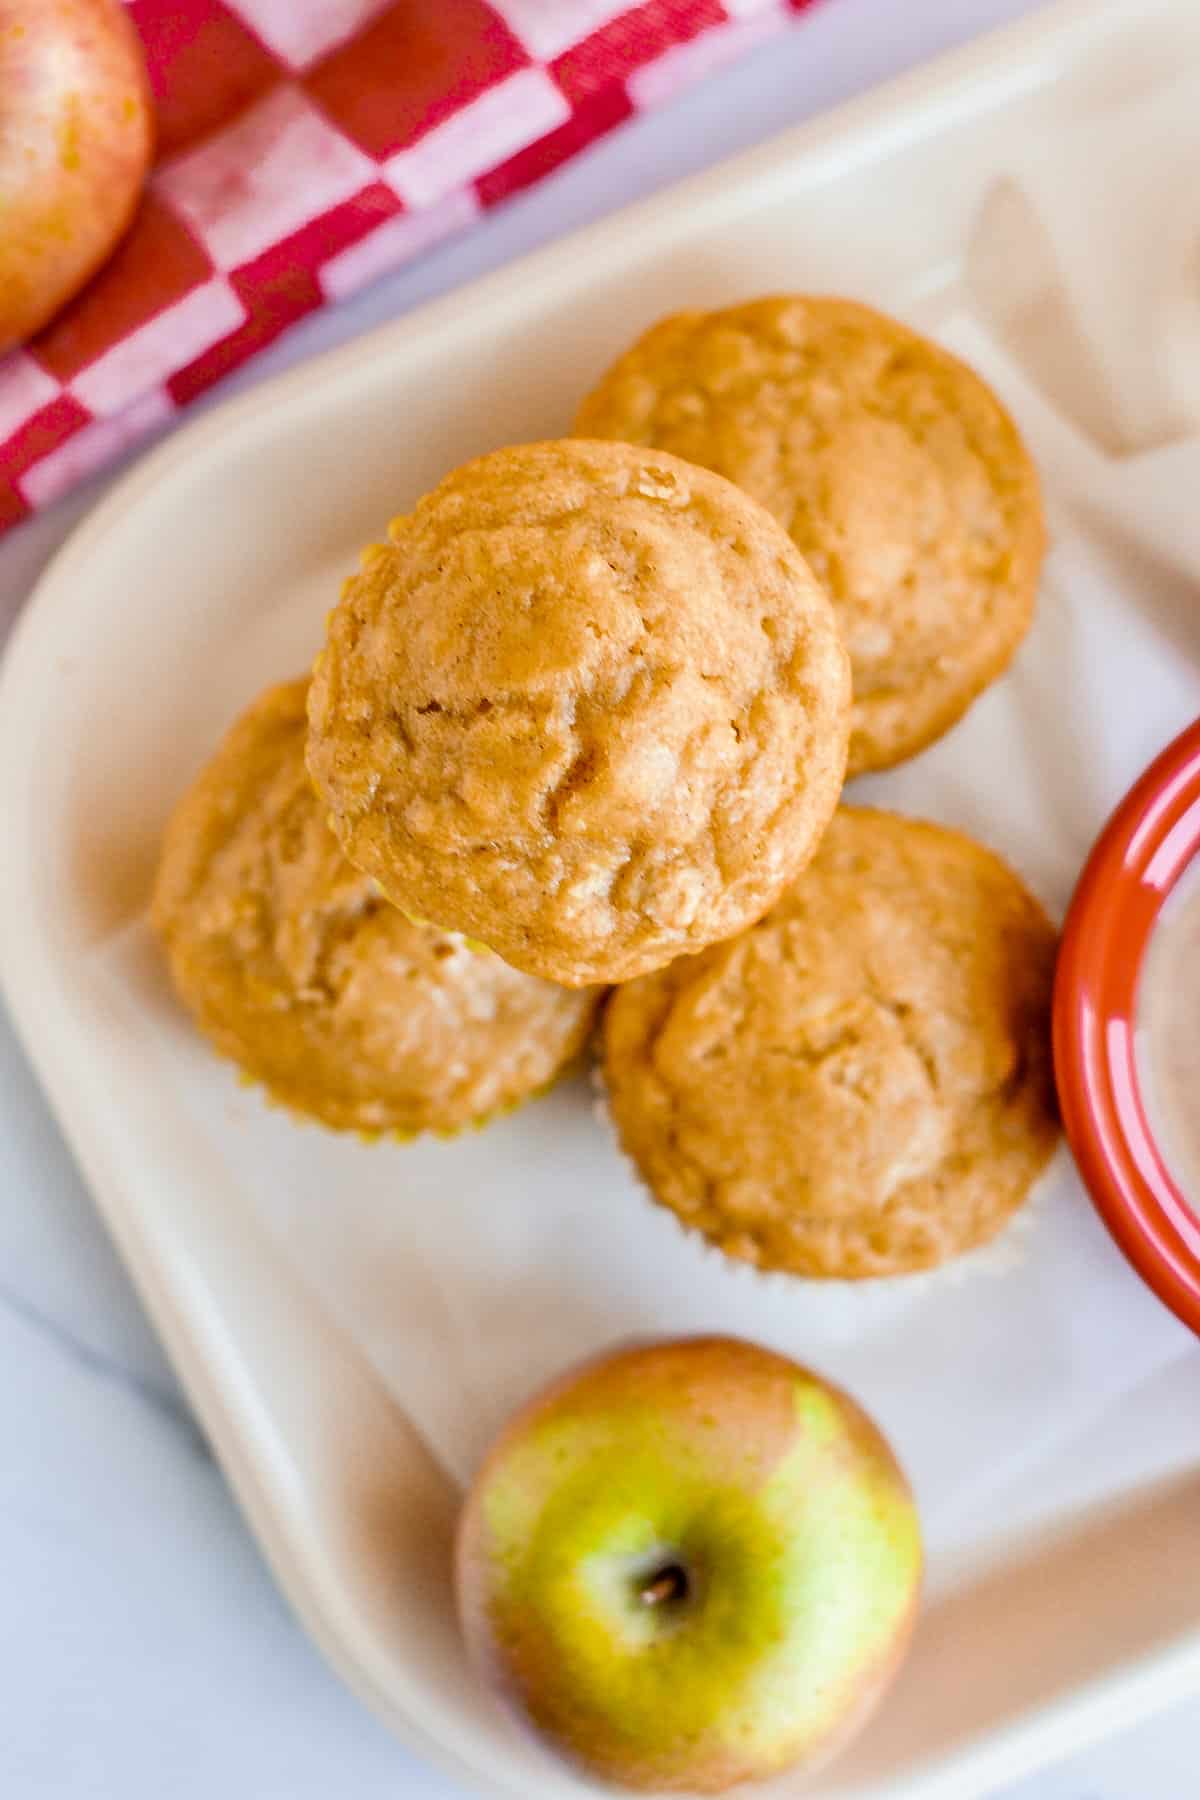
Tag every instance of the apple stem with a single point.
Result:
(670, 1584)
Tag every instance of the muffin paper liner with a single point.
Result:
(1000, 1256)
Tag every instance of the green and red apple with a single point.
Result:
(76, 134)
(689, 1565)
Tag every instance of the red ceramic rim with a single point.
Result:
(1145, 848)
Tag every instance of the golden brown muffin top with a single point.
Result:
(588, 704)
(894, 468)
(297, 968)
(861, 1084)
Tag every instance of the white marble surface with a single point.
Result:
(143, 1649)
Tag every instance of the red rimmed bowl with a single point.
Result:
(1137, 863)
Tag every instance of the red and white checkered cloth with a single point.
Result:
(305, 146)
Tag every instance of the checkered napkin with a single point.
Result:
(305, 146)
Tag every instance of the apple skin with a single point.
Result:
(772, 1510)
(76, 136)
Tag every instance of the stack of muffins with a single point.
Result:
(575, 745)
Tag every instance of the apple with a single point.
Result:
(689, 1564)
(76, 133)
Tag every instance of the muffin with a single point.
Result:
(895, 469)
(861, 1084)
(296, 967)
(587, 705)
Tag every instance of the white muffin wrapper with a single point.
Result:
(1009, 1250)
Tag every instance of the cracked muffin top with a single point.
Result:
(861, 1084)
(897, 472)
(588, 704)
(297, 968)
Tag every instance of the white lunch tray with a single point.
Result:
(1062, 1609)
